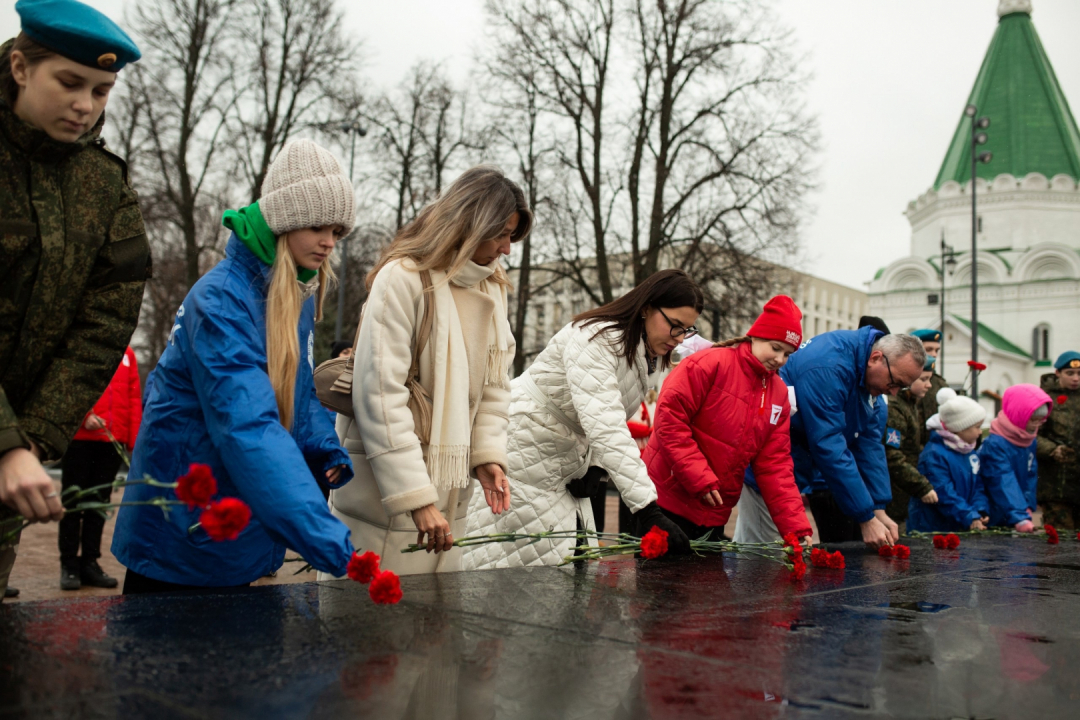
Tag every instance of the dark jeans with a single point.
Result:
(87, 463)
(136, 584)
(832, 524)
(693, 530)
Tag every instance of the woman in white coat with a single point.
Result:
(568, 412)
(419, 440)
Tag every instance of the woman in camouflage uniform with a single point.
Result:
(1058, 441)
(73, 251)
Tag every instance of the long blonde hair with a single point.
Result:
(283, 305)
(445, 234)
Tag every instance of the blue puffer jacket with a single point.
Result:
(209, 400)
(836, 433)
(955, 477)
(1009, 474)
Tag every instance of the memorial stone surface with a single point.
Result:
(988, 630)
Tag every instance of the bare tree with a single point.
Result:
(420, 128)
(720, 116)
(302, 69)
(186, 87)
(570, 43)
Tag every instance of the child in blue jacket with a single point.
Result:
(950, 463)
(1009, 469)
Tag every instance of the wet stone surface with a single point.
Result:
(991, 630)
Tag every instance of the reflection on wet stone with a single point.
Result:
(977, 634)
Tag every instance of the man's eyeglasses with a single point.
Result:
(678, 331)
(893, 385)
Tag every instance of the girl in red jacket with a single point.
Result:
(722, 410)
(91, 460)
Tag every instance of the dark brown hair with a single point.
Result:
(667, 288)
(33, 51)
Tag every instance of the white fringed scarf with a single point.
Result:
(447, 452)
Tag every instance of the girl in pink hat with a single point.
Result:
(1007, 458)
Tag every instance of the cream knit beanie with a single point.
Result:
(306, 186)
(957, 412)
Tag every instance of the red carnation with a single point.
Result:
(791, 541)
(1061, 399)
(798, 569)
(836, 560)
(197, 487)
(363, 568)
(819, 557)
(654, 544)
(976, 366)
(952, 541)
(902, 551)
(385, 589)
(1078, 535)
(224, 519)
(1051, 534)
(940, 542)
(886, 551)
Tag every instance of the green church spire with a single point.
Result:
(1031, 126)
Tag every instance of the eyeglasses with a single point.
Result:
(893, 385)
(678, 331)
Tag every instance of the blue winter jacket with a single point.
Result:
(955, 477)
(836, 433)
(1009, 474)
(209, 400)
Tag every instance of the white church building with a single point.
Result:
(1028, 207)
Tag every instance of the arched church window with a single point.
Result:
(1040, 342)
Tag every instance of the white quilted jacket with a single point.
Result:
(593, 385)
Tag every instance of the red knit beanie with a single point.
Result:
(781, 320)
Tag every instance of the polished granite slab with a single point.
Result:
(991, 630)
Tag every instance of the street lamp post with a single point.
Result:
(978, 137)
(355, 129)
(948, 260)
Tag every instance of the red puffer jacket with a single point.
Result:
(120, 407)
(721, 411)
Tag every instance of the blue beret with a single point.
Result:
(1068, 359)
(929, 364)
(78, 32)
(927, 335)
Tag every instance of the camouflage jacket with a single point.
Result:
(73, 262)
(1059, 482)
(903, 444)
(928, 405)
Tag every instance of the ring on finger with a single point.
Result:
(51, 495)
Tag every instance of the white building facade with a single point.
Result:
(1028, 240)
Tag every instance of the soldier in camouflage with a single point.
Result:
(73, 252)
(931, 340)
(1058, 443)
(903, 445)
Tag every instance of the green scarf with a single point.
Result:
(252, 230)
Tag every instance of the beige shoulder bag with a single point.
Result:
(334, 378)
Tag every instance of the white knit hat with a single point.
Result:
(306, 186)
(957, 412)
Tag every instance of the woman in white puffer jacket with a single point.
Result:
(568, 413)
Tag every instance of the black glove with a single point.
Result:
(589, 484)
(650, 515)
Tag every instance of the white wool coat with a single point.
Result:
(592, 384)
(391, 477)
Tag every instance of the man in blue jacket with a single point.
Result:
(839, 378)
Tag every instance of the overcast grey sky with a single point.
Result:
(890, 80)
